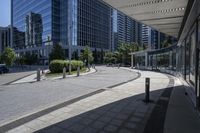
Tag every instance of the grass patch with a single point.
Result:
(52, 75)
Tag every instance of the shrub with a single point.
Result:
(56, 66)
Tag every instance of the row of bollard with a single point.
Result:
(64, 73)
(147, 82)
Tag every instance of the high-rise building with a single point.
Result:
(154, 42)
(146, 36)
(123, 29)
(33, 30)
(4, 38)
(37, 25)
(138, 33)
(150, 38)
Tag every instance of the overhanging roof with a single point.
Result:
(163, 15)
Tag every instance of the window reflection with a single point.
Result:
(192, 57)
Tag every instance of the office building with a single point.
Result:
(38, 25)
(123, 29)
(4, 38)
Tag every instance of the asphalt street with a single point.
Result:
(22, 99)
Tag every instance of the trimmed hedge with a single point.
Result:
(56, 66)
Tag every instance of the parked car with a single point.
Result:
(3, 69)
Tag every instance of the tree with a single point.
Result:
(87, 55)
(8, 56)
(1, 59)
(30, 59)
(20, 60)
(110, 58)
(57, 53)
(124, 49)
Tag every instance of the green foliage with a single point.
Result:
(8, 56)
(56, 66)
(30, 59)
(57, 53)
(125, 49)
(110, 57)
(87, 55)
(20, 60)
(1, 59)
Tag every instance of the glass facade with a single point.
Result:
(38, 24)
(188, 56)
(93, 24)
(29, 18)
(123, 29)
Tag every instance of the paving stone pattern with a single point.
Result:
(120, 109)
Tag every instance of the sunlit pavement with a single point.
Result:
(119, 109)
(19, 100)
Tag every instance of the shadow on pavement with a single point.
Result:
(127, 115)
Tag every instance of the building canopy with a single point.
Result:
(163, 15)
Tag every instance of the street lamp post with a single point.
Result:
(69, 49)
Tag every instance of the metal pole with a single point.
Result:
(38, 74)
(147, 87)
(69, 39)
(88, 62)
(132, 61)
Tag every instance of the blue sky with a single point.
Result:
(4, 12)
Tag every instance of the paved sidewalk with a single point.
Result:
(181, 115)
(119, 109)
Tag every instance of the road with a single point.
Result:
(22, 99)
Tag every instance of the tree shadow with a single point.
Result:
(130, 114)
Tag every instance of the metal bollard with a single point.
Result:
(38, 75)
(70, 69)
(78, 71)
(42, 71)
(89, 67)
(147, 87)
(118, 66)
(64, 72)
